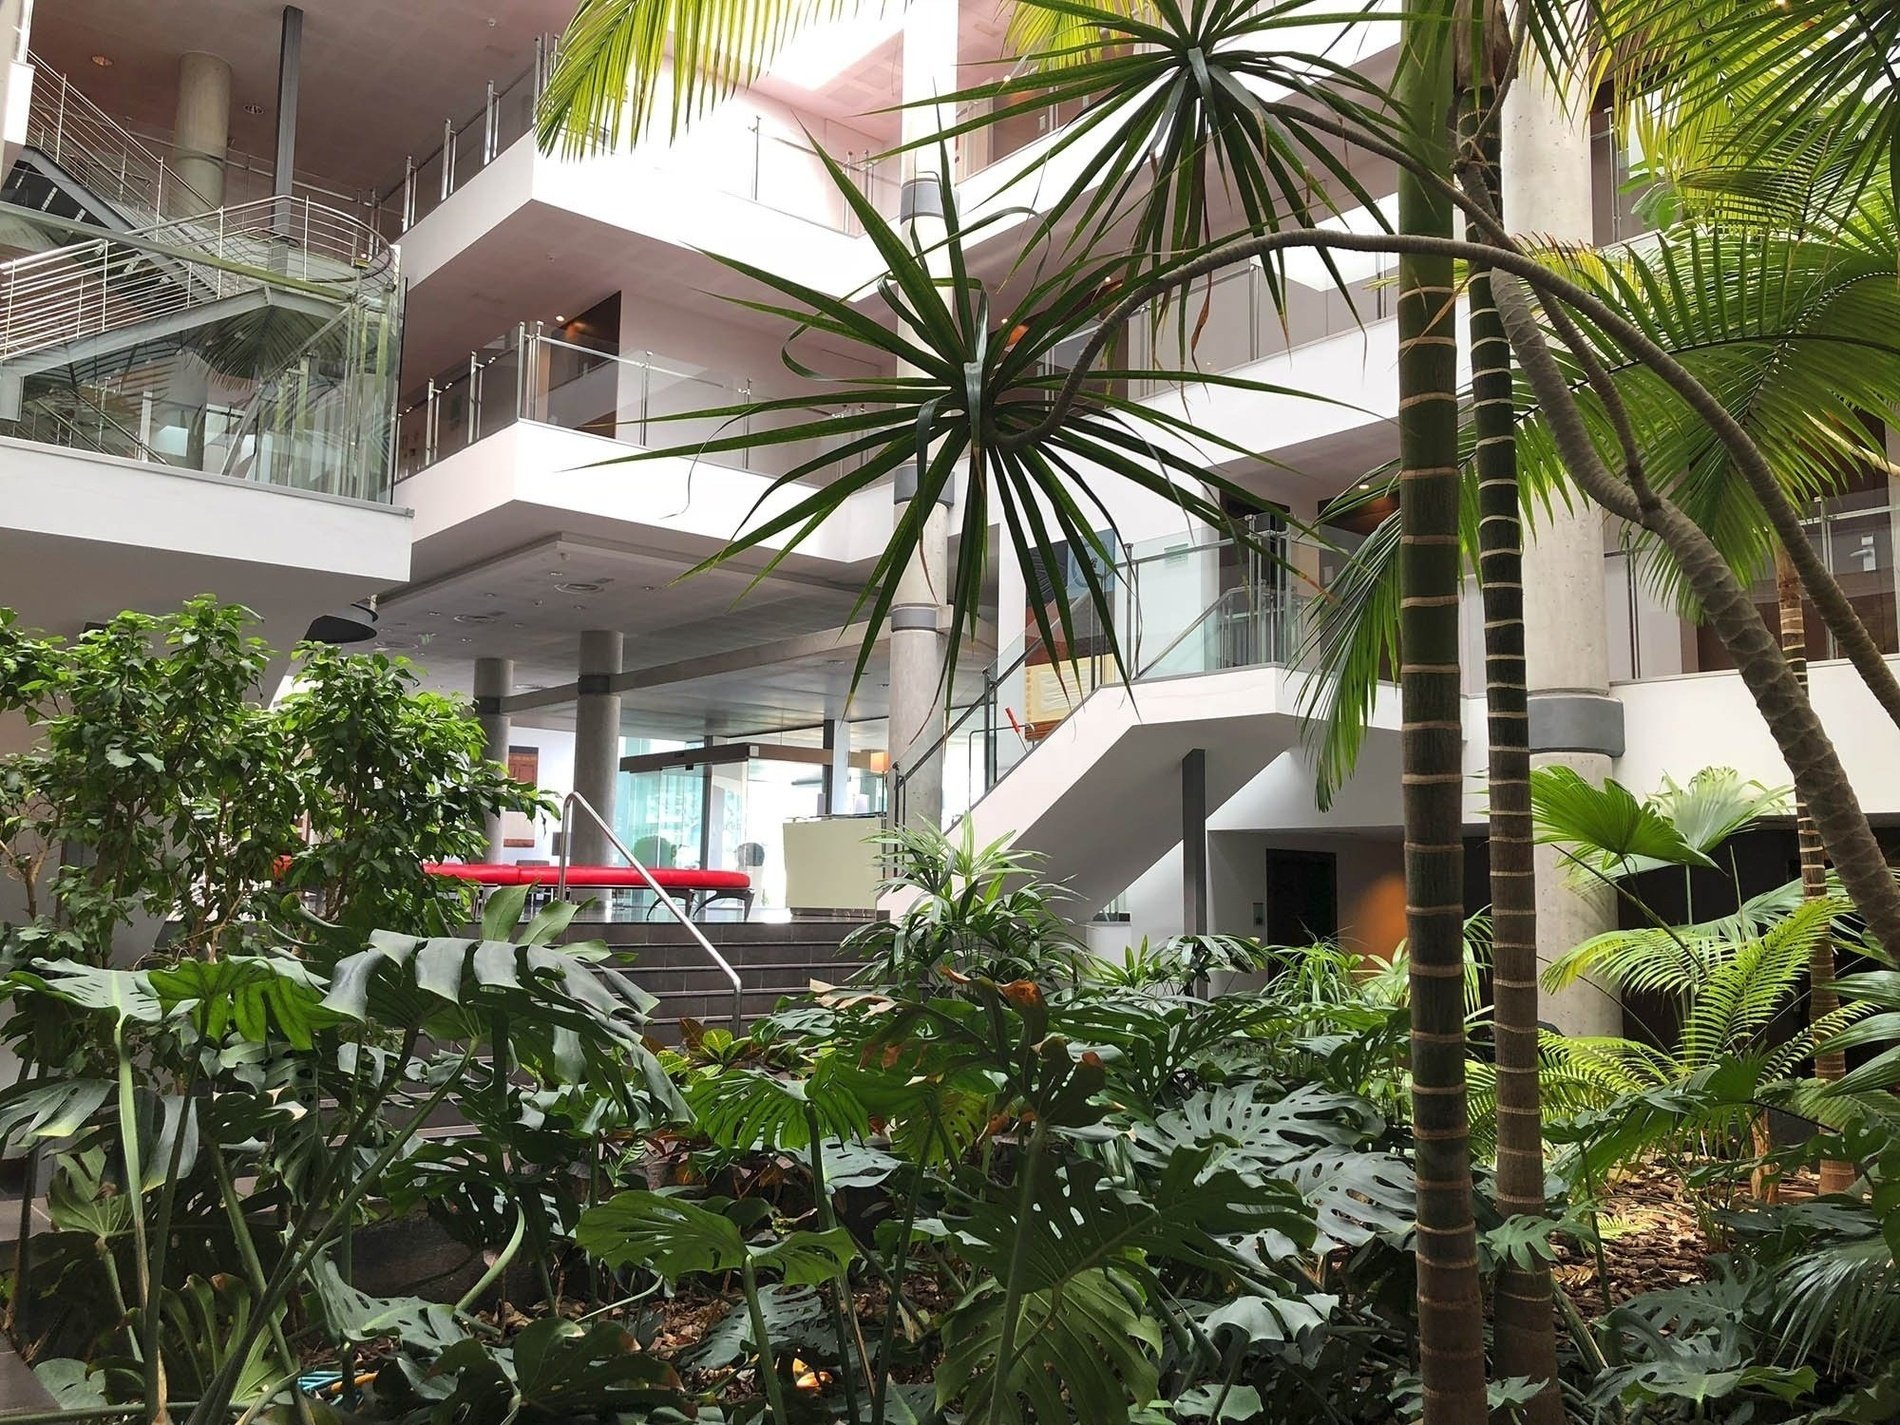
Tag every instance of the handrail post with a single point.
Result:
(491, 130)
(448, 159)
(646, 394)
(474, 397)
(568, 805)
(408, 193)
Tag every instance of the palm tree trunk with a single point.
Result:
(1450, 1312)
(1822, 999)
(1522, 1308)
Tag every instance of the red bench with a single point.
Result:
(697, 888)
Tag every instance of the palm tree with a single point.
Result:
(1177, 114)
(1450, 1318)
(1523, 1306)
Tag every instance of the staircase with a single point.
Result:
(1069, 761)
(80, 163)
(773, 960)
(258, 340)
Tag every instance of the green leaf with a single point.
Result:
(808, 1258)
(1605, 826)
(1087, 1352)
(667, 1235)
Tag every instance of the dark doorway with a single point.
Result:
(1302, 897)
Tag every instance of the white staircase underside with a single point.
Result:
(1100, 797)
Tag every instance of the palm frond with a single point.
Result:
(1841, 1300)
(620, 59)
(1794, 334)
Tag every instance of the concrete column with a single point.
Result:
(596, 743)
(917, 646)
(201, 133)
(1574, 721)
(494, 682)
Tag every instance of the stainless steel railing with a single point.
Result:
(573, 800)
(96, 150)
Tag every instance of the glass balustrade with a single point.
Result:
(639, 399)
(1237, 318)
(1856, 538)
(1184, 605)
(739, 155)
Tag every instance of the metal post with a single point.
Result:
(408, 193)
(646, 394)
(428, 424)
(474, 397)
(289, 79)
(540, 67)
(521, 371)
(491, 130)
(448, 158)
(1194, 842)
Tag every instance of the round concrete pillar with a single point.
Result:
(596, 743)
(494, 682)
(201, 134)
(1546, 174)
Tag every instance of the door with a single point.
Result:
(1302, 897)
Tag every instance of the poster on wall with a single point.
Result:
(517, 828)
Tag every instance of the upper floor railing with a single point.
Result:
(636, 398)
(775, 169)
(100, 154)
(1235, 318)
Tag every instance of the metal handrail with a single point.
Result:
(575, 799)
(98, 150)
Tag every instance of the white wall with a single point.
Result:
(1371, 874)
(1676, 726)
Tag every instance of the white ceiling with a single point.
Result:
(531, 603)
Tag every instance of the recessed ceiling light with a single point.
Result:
(104, 61)
(253, 109)
(476, 618)
(580, 586)
(559, 318)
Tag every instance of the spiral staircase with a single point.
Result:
(137, 320)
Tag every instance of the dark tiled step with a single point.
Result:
(790, 977)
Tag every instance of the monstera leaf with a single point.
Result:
(566, 1019)
(795, 1319)
(747, 1108)
(1079, 1218)
(1356, 1195)
(555, 1371)
(257, 995)
(675, 1239)
(1254, 1134)
(1085, 1351)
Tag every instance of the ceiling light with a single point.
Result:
(476, 618)
(580, 586)
(253, 109)
(559, 318)
(104, 61)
